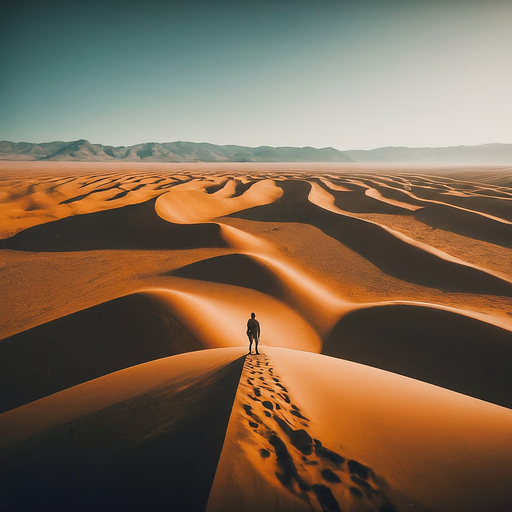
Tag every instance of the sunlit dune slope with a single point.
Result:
(433, 345)
(389, 253)
(130, 330)
(191, 203)
(130, 227)
(217, 315)
(355, 200)
(310, 432)
(39, 193)
(270, 273)
(493, 202)
(145, 438)
(75, 348)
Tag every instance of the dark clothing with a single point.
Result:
(253, 328)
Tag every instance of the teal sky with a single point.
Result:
(352, 75)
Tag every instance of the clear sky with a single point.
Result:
(348, 74)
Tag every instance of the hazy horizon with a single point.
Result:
(347, 75)
(248, 146)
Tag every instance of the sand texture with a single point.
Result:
(384, 297)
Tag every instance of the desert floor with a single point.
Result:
(384, 296)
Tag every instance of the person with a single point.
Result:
(253, 332)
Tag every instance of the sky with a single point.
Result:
(345, 74)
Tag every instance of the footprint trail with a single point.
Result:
(325, 480)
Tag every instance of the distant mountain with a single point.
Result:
(490, 154)
(83, 150)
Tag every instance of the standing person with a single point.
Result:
(253, 332)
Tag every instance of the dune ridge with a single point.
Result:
(129, 227)
(393, 256)
(324, 200)
(195, 206)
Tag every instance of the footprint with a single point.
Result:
(364, 484)
(325, 498)
(299, 438)
(356, 492)
(288, 471)
(326, 454)
(358, 469)
(329, 476)
(299, 415)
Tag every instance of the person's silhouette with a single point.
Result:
(253, 332)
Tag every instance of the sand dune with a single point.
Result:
(359, 201)
(236, 269)
(137, 328)
(432, 345)
(145, 438)
(363, 439)
(498, 205)
(157, 435)
(381, 248)
(195, 205)
(375, 194)
(467, 224)
(126, 289)
(262, 269)
(129, 227)
(87, 344)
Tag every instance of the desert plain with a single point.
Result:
(383, 382)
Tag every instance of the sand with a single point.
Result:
(384, 296)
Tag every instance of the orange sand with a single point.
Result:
(125, 293)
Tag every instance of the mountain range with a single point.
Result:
(83, 150)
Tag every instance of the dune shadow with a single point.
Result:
(435, 346)
(466, 223)
(157, 451)
(129, 227)
(390, 254)
(234, 269)
(88, 344)
(358, 202)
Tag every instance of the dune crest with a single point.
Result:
(375, 194)
(320, 197)
(194, 206)
(217, 315)
(331, 444)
